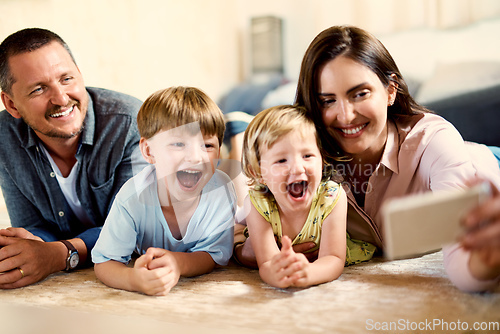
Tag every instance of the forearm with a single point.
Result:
(116, 275)
(77, 242)
(194, 264)
(325, 269)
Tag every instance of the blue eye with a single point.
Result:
(36, 91)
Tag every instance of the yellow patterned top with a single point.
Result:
(325, 199)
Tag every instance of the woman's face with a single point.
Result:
(353, 103)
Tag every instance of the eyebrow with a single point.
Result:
(350, 90)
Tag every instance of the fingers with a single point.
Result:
(159, 281)
(143, 261)
(157, 272)
(486, 236)
(487, 211)
(286, 244)
(6, 240)
(13, 279)
(7, 232)
(18, 232)
(287, 266)
(9, 258)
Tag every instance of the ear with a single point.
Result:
(10, 106)
(146, 150)
(392, 90)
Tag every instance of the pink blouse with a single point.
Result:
(424, 153)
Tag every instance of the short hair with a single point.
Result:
(362, 47)
(22, 41)
(176, 106)
(266, 129)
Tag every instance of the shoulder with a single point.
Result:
(422, 129)
(136, 188)
(15, 136)
(218, 180)
(107, 101)
(9, 123)
(428, 135)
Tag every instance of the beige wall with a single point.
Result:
(140, 46)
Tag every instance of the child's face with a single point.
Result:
(185, 160)
(292, 170)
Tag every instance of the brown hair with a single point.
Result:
(176, 106)
(266, 129)
(362, 47)
(22, 41)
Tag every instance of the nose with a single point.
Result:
(345, 113)
(58, 96)
(195, 154)
(297, 166)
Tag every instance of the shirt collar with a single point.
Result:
(390, 156)
(89, 128)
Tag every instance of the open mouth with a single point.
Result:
(189, 178)
(62, 114)
(297, 189)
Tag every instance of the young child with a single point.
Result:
(291, 199)
(177, 213)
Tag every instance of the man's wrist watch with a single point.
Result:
(73, 258)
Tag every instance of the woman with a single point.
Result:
(387, 145)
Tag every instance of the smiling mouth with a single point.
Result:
(62, 114)
(189, 178)
(297, 189)
(353, 131)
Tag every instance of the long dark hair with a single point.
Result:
(362, 47)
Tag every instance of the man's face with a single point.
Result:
(48, 93)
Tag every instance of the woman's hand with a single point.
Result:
(482, 237)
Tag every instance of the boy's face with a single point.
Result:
(185, 160)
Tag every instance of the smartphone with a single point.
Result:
(423, 223)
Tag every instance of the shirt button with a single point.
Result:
(61, 213)
(52, 174)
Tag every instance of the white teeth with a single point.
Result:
(65, 113)
(190, 171)
(353, 130)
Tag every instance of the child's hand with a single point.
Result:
(288, 267)
(156, 272)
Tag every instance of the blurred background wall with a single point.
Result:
(140, 46)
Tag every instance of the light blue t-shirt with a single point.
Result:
(136, 222)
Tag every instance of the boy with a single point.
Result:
(178, 213)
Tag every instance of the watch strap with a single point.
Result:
(69, 245)
(71, 250)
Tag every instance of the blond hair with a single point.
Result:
(266, 129)
(176, 106)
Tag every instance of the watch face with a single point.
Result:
(73, 260)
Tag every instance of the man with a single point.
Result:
(65, 151)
